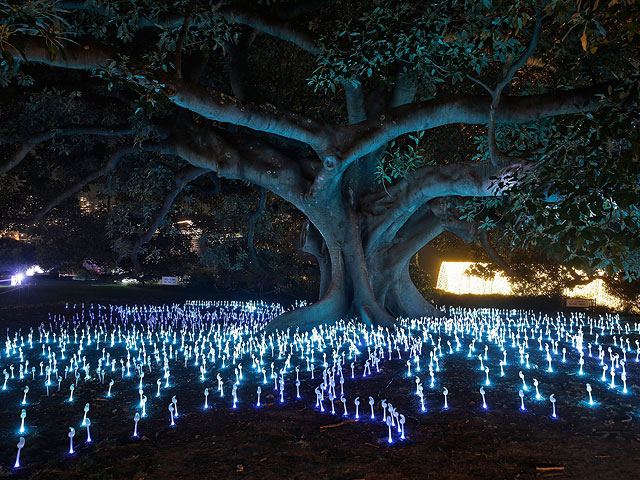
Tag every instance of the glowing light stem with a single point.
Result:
(71, 434)
(136, 419)
(484, 402)
(87, 425)
(23, 415)
(20, 446)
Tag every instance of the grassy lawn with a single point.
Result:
(52, 292)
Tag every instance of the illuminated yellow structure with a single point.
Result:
(596, 290)
(453, 278)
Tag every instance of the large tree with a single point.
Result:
(384, 122)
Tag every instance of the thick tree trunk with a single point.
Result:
(311, 241)
(333, 305)
(404, 299)
(376, 289)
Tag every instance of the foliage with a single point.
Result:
(401, 160)
(15, 256)
(580, 198)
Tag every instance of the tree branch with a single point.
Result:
(267, 118)
(354, 95)
(210, 104)
(242, 157)
(362, 173)
(27, 146)
(113, 161)
(274, 27)
(390, 212)
(180, 41)
(213, 190)
(404, 90)
(85, 56)
(182, 179)
(422, 227)
(446, 209)
(312, 242)
(365, 137)
(497, 157)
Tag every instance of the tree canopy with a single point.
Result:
(384, 123)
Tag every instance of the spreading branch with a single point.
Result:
(446, 209)
(214, 189)
(273, 27)
(362, 173)
(404, 89)
(182, 179)
(210, 104)
(242, 157)
(360, 139)
(392, 210)
(422, 227)
(220, 107)
(27, 146)
(497, 157)
(354, 96)
(312, 242)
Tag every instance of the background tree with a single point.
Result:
(368, 117)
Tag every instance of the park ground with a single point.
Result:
(298, 442)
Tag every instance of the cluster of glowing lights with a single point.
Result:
(125, 351)
(454, 278)
(18, 278)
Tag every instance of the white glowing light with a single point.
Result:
(31, 271)
(20, 446)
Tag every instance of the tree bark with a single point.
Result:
(311, 241)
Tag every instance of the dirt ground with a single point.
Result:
(294, 440)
